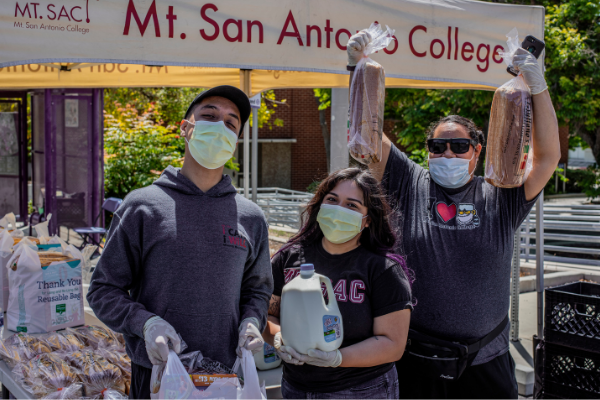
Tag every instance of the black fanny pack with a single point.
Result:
(443, 359)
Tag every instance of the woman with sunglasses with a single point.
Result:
(458, 238)
(349, 239)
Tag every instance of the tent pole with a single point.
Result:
(339, 158)
(255, 154)
(539, 261)
(245, 84)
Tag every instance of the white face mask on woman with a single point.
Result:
(450, 172)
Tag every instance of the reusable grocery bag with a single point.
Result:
(6, 245)
(367, 98)
(43, 298)
(509, 155)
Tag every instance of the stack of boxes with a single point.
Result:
(568, 360)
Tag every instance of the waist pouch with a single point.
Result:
(444, 359)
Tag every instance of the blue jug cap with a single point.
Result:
(307, 267)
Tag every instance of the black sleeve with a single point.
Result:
(400, 174)
(277, 265)
(391, 292)
(518, 205)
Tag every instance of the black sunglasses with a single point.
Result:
(458, 145)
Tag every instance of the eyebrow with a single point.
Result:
(214, 108)
(349, 198)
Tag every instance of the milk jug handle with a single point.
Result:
(330, 292)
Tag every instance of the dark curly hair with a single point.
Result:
(379, 237)
(474, 131)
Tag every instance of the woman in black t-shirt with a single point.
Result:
(349, 239)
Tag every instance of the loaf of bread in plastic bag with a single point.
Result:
(509, 152)
(367, 101)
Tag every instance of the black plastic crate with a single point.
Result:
(573, 315)
(570, 373)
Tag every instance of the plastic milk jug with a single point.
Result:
(267, 358)
(307, 322)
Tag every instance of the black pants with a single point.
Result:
(492, 380)
(140, 382)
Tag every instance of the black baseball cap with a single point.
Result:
(232, 93)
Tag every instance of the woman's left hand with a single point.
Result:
(320, 358)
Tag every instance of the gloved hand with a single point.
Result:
(284, 352)
(528, 65)
(157, 334)
(321, 358)
(250, 337)
(356, 46)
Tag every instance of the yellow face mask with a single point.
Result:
(339, 224)
(211, 143)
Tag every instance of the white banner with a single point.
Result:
(437, 40)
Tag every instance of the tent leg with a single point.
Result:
(245, 86)
(539, 263)
(255, 155)
(515, 287)
(339, 129)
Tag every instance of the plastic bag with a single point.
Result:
(21, 347)
(63, 341)
(509, 153)
(98, 375)
(367, 98)
(6, 250)
(173, 383)
(95, 336)
(47, 375)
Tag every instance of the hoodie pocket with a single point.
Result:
(215, 335)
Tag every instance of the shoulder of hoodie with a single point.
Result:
(249, 210)
(150, 196)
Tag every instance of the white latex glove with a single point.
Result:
(250, 337)
(320, 358)
(284, 351)
(157, 334)
(356, 46)
(528, 65)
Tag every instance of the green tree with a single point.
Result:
(323, 98)
(572, 71)
(136, 149)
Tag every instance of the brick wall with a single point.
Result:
(301, 121)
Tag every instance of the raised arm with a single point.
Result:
(546, 144)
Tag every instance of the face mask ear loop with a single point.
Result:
(363, 228)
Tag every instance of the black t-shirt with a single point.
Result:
(366, 285)
(459, 243)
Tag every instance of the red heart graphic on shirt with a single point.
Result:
(446, 212)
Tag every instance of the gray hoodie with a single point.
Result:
(198, 260)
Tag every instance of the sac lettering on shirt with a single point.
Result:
(340, 289)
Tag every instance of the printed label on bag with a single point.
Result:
(61, 288)
(270, 354)
(21, 329)
(331, 328)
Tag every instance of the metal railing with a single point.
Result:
(569, 226)
(282, 207)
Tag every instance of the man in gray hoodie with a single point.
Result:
(187, 255)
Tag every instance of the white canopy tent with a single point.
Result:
(257, 46)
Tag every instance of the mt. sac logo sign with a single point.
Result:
(36, 13)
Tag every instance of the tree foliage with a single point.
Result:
(572, 70)
(136, 149)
